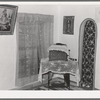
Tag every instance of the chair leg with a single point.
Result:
(67, 80)
(48, 79)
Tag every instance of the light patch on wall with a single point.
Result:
(97, 15)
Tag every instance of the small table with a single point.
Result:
(59, 67)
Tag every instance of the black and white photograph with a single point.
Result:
(68, 25)
(7, 19)
(53, 47)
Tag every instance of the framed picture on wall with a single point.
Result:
(8, 14)
(68, 25)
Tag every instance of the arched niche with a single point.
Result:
(87, 53)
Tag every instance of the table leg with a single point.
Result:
(67, 80)
(48, 79)
(42, 78)
(77, 77)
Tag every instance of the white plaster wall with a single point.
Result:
(7, 61)
(97, 70)
(8, 45)
(80, 13)
(43, 9)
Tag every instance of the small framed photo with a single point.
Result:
(8, 14)
(68, 25)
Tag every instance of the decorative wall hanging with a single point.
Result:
(68, 25)
(8, 14)
(87, 53)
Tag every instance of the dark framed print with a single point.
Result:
(68, 25)
(8, 14)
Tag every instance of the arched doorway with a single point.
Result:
(87, 53)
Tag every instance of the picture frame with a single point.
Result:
(68, 25)
(8, 14)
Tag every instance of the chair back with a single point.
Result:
(58, 52)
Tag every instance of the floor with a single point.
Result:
(56, 84)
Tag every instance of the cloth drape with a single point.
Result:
(34, 36)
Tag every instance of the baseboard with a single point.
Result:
(28, 86)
